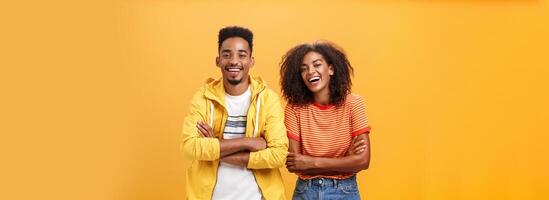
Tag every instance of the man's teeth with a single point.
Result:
(233, 69)
(314, 79)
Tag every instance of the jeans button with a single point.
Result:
(320, 181)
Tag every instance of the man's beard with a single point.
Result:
(237, 81)
(234, 82)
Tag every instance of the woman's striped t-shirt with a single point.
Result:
(327, 130)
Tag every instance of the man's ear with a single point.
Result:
(217, 61)
(252, 63)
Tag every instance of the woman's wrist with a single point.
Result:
(315, 163)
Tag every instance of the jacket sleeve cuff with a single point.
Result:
(252, 160)
(216, 149)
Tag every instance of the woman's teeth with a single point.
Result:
(314, 79)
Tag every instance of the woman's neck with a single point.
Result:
(322, 97)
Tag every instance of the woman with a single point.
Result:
(327, 125)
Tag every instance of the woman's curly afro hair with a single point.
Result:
(294, 89)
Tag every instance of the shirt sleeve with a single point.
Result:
(292, 123)
(359, 120)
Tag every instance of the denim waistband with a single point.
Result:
(327, 182)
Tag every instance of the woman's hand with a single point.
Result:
(299, 162)
(358, 146)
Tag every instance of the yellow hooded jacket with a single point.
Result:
(265, 119)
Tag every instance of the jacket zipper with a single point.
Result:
(224, 117)
(255, 98)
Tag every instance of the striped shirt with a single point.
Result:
(327, 130)
(235, 127)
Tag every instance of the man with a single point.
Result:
(234, 134)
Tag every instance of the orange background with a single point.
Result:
(93, 93)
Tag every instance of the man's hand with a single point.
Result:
(358, 146)
(251, 144)
(205, 130)
(256, 144)
(298, 162)
(239, 159)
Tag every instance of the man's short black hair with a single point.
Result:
(235, 31)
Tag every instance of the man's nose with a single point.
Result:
(233, 60)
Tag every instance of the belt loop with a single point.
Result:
(309, 182)
(336, 183)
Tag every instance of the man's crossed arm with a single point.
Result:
(234, 151)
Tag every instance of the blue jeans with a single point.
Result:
(326, 188)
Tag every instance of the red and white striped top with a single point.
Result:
(327, 130)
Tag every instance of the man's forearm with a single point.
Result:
(231, 146)
(240, 159)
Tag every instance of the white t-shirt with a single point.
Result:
(236, 182)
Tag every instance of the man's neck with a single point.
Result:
(236, 90)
